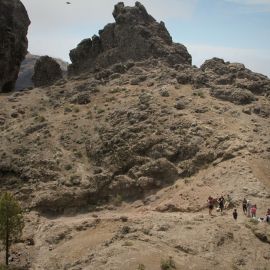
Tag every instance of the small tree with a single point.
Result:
(11, 221)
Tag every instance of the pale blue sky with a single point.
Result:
(236, 30)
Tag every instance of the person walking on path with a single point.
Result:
(210, 203)
(248, 208)
(235, 214)
(253, 210)
(229, 203)
(244, 204)
(221, 202)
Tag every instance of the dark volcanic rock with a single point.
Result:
(235, 95)
(27, 70)
(14, 24)
(46, 72)
(226, 75)
(134, 36)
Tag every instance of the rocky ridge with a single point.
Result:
(14, 24)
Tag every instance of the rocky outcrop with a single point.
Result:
(219, 73)
(46, 72)
(27, 70)
(14, 24)
(227, 81)
(135, 35)
(234, 95)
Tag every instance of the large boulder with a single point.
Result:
(27, 71)
(135, 35)
(14, 24)
(46, 72)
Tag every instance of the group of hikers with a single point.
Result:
(249, 209)
(220, 203)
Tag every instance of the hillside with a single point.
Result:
(114, 164)
(84, 145)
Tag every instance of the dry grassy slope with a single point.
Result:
(45, 133)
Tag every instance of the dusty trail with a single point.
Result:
(187, 233)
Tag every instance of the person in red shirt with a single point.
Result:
(253, 210)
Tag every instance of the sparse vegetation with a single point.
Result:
(199, 93)
(116, 90)
(67, 109)
(100, 111)
(128, 244)
(76, 110)
(5, 267)
(40, 119)
(253, 221)
(167, 264)
(125, 229)
(68, 167)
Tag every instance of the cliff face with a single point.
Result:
(14, 24)
(135, 35)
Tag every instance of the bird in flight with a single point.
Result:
(68, 3)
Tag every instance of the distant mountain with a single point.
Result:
(27, 69)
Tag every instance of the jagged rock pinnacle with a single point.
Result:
(135, 35)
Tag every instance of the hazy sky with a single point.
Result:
(236, 30)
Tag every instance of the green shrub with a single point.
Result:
(167, 264)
